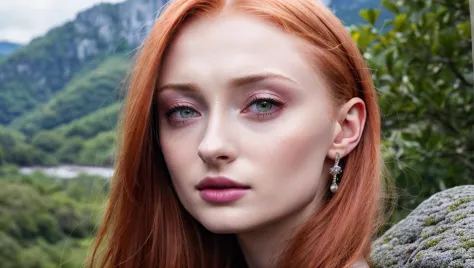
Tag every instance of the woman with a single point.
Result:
(251, 137)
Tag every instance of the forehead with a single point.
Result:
(230, 45)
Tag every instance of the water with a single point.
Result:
(70, 171)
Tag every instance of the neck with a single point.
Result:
(262, 246)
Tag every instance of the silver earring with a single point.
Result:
(336, 169)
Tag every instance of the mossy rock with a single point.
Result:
(438, 233)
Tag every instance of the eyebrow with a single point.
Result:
(235, 82)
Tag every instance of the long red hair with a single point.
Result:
(145, 225)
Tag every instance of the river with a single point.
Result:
(69, 171)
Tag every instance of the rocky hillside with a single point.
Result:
(37, 72)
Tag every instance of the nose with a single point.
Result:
(217, 146)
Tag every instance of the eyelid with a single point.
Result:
(264, 96)
(262, 116)
(179, 105)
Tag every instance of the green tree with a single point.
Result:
(98, 150)
(47, 141)
(2, 157)
(89, 91)
(45, 222)
(9, 251)
(421, 62)
(68, 153)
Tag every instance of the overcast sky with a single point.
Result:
(326, 2)
(22, 20)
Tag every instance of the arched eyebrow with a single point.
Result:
(234, 82)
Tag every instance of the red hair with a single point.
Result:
(145, 225)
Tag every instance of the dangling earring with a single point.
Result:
(336, 169)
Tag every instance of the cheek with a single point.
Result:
(293, 147)
(297, 152)
(178, 153)
(290, 160)
(176, 146)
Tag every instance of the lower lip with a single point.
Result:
(222, 196)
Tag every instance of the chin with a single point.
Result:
(225, 224)
(224, 227)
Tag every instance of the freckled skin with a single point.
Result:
(282, 156)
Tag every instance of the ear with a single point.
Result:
(349, 127)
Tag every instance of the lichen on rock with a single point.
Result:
(438, 233)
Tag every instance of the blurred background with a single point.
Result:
(62, 70)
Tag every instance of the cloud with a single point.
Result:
(326, 2)
(22, 20)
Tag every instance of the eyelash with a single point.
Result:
(175, 108)
(254, 99)
(272, 101)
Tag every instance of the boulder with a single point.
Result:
(438, 233)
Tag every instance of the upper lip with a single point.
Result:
(219, 183)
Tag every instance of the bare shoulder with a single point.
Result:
(360, 264)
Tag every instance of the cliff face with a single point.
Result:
(115, 25)
(35, 73)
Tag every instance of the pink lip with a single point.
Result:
(221, 190)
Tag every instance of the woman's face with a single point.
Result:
(239, 99)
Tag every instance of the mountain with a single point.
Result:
(37, 72)
(88, 91)
(62, 90)
(6, 48)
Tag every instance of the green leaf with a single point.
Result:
(390, 6)
(446, 17)
(464, 29)
(364, 38)
(389, 59)
(370, 15)
(399, 22)
(355, 36)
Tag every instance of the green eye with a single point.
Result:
(186, 113)
(264, 106)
